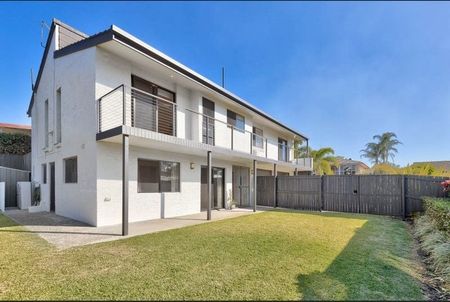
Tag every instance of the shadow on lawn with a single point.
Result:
(9, 225)
(346, 216)
(366, 269)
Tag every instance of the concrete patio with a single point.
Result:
(65, 233)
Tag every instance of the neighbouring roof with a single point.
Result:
(345, 161)
(15, 126)
(117, 34)
(443, 164)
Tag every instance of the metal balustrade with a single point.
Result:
(136, 108)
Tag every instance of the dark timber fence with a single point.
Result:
(392, 195)
(15, 161)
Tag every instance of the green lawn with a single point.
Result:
(271, 255)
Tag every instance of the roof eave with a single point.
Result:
(134, 42)
(115, 33)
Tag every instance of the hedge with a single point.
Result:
(438, 209)
(15, 143)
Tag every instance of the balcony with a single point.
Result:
(132, 107)
(136, 108)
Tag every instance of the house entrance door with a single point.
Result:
(218, 188)
(52, 187)
(241, 186)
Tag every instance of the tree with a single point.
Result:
(298, 153)
(384, 168)
(323, 159)
(372, 153)
(383, 149)
(387, 142)
(15, 143)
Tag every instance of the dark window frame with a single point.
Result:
(208, 122)
(159, 176)
(46, 123)
(58, 116)
(232, 119)
(71, 181)
(153, 88)
(44, 173)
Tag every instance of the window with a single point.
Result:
(58, 116)
(258, 139)
(158, 176)
(44, 173)
(282, 150)
(46, 113)
(154, 114)
(70, 170)
(208, 122)
(235, 119)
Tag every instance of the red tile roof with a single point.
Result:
(15, 126)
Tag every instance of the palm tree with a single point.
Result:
(372, 153)
(387, 142)
(323, 159)
(383, 149)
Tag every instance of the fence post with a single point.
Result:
(322, 197)
(404, 196)
(359, 193)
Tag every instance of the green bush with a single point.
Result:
(15, 143)
(438, 209)
(433, 231)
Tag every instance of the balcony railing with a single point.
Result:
(136, 108)
(222, 134)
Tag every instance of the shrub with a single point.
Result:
(15, 143)
(438, 209)
(433, 230)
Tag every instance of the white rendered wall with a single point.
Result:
(2, 196)
(145, 206)
(112, 71)
(75, 75)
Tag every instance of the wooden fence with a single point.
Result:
(10, 177)
(393, 195)
(15, 161)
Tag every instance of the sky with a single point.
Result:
(338, 72)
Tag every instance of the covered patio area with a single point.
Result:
(65, 233)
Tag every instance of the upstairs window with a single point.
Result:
(208, 135)
(282, 150)
(158, 176)
(46, 114)
(258, 140)
(58, 116)
(236, 120)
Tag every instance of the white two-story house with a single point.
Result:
(123, 133)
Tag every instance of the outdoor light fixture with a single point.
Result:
(192, 166)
